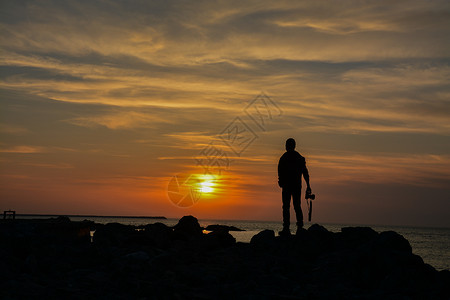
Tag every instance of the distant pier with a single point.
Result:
(9, 214)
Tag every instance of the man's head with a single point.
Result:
(290, 144)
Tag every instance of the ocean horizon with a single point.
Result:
(432, 244)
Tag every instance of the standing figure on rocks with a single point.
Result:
(291, 167)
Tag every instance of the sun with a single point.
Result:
(206, 189)
(207, 184)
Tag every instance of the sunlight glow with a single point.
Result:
(207, 184)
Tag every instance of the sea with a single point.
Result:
(432, 244)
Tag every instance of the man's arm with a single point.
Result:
(306, 177)
(280, 184)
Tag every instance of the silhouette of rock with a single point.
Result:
(160, 233)
(263, 238)
(354, 236)
(188, 227)
(219, 239)
(157, 262)
(217, 227)
(358, 234)
(393, 241)
(139, 256)
(318, 229)
(112, 234)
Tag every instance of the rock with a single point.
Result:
(54, 230)
(357, 263)
(138, 239)
(61, 219)
(319, 229)
(112, 234)
(31, 263)
(355, 236)
(263, 238)
(219, 239)
(222, 228)
(317, 240)
(160, 233)
(139, 256)
(188, 228)
(393, 241)
(358, 233)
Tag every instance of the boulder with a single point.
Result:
(357, 263)
(351, 237)
(160, 233)
(138, 256)
(61, 219)
(217, 227)
(263, 238)
(318, 229)
(393, 241)
(219, 239)
(188, 228)
(112, 234)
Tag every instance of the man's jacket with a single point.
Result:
(291, 167)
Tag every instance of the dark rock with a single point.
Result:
(320, 234)
(358, 233)
(56, 230)
(98, 277)
(31, 263)
(355, 236)
(154, 262)
(219, 239)
(263, 238)
(316, 228)
(393, 241)
(222, 228)
(138, 239)
(112, 234)
(61, 219)
(160, 233)
(139, 256)
(188, 228)
(315, 241)
(162, 262)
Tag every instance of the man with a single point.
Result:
(291, 167)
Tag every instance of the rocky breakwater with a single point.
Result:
(159, 262)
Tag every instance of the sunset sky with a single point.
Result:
(103, 102)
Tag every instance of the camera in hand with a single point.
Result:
(308, 195)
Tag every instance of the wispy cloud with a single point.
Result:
(50, 165)
(119, 120)
(13, 129)
(24, 149)
(413, 169)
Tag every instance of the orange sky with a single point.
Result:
(102, 103)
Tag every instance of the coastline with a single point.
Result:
(90, 216)
(431, 243)
(56, 258)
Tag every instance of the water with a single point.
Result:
(432, 244)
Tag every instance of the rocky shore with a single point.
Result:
(57, 259)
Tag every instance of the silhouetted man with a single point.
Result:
(291, 167)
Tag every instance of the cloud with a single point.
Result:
(13, 129)
(119, 120)
(154, 32)
(420, 170)
(50, 165)
(363, 56)
(24, 149)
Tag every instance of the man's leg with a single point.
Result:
(286, 197)
(296, 196)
